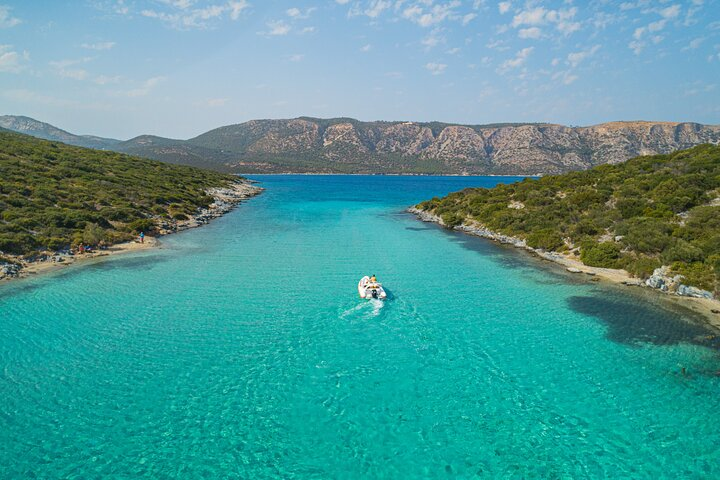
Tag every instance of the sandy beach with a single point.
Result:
(50, 265)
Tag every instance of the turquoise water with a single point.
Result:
(241, 350)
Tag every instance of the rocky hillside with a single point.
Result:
(176, 151)
(345, 145)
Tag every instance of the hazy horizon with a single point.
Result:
(178, 68)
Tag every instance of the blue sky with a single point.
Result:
(177, 68)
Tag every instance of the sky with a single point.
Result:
(177, 68)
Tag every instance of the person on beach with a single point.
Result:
(142, 237)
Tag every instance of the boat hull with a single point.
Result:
(370, 290)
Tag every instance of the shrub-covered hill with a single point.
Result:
(53, 195)
(639, 215)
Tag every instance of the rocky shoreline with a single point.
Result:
(225, 200)
(661, 280)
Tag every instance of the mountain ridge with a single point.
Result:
(46, 131)
(346, 145)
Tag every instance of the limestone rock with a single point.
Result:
(686, 291)
(9, 270)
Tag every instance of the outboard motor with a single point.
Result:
(374, 293)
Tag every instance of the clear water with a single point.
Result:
(241, 350)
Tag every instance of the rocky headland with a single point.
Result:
(225, 199)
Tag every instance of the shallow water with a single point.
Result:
(241, 350)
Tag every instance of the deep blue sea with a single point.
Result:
(241, 350)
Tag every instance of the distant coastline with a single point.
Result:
(707, 307)
(245, 174)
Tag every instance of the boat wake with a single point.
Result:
(366, 309)
(351, 311)
(377, 306)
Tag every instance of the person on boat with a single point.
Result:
(373, 279)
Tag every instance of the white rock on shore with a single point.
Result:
(9, 270)
(661, 279)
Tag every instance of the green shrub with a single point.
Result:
(640, 266)
(586, 226)
(604, 255)
(546, 239)
(93, 234)
(646, 235)
(631, 207)
(17, 243)
(585, 197)
(714, 262)
(451, 219)
(56, 243)
(682, 251)
(697, 274)
(141, 225)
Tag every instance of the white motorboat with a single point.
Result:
(369, 289)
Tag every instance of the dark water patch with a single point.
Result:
(134, 263)
(36, 281)
(511, 257)
(402, 213)
(553, 278)
(18, 287)
(632, 324)
(506, 255)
